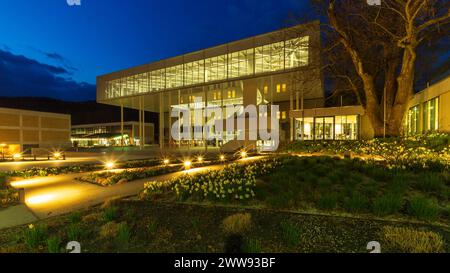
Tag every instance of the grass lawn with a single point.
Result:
(142, 226)
(356, 187)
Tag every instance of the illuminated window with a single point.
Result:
(297, 52)
(269, 57)
(283, 115)
(266, 90)
(431, 115)
(174, 76)
(412, 121)
(240, 63)
(216, 68)
(281, 88)
(278, 115)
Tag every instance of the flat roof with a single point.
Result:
(33, 112)
(242, 44)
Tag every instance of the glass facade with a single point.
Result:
(430, 115)
(327, 128)
(272, 57)
(413, 120)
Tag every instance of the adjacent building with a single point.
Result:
(22, 130)
(278, 68)
(112, 134)
(429, 110)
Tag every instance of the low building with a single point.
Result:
(22, 130)
(427, 113)
(112, 134)
(429, 110)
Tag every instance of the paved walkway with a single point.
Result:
(50, 196)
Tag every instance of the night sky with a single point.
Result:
(51, 49)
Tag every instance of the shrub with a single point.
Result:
(109, 214)
(237, 223)
(34, 235)
(74, 232)
(109, 230)
(431, 182)
(234, 182)
(412, 241)
(152, 227)
(252, 246)
(358, 202)
(123, 235)
(387, 204)
(54, 245)
(423, 209)
(328, 201)
(75, 217)
(290, 232)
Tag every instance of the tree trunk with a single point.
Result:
(405, 92)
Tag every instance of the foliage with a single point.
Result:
(252, 246)
(407, 240)
(424, 209)
(290, 232)
(352, 186)
(54, 244)
(233, 182)
(430, 151)
(238, 223)
(112, 178)
(35, 235)
(75, 232)
(123, 235)
(109, 214)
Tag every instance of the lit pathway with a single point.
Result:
(54, 195)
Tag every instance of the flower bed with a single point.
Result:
(427, 151)
(111, 178)
(8, 195)
(35, 172)
(234, 182)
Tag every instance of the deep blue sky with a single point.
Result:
(48, 48)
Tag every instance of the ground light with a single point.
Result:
(244, 154)
(166, 161)
(17, 156)
(222, 158)
(200, 159)
(57, 155)
(187, 164)
(110, 165)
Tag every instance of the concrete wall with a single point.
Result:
(22, 129)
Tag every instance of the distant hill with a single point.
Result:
(82, 112)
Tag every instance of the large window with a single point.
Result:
(240, 63)
(216, 68)
(413, 120)
(269, 57)
(297, 52)
(327, 128)
(431, 115)
(174, 76)
(194, 72)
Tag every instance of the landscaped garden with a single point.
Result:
(8, 195)
(142, 226)
(281, 203)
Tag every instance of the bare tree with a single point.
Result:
(381, 43)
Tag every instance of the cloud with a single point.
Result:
(22, 76)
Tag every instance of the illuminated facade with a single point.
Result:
(428, 110)
(278, 68)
